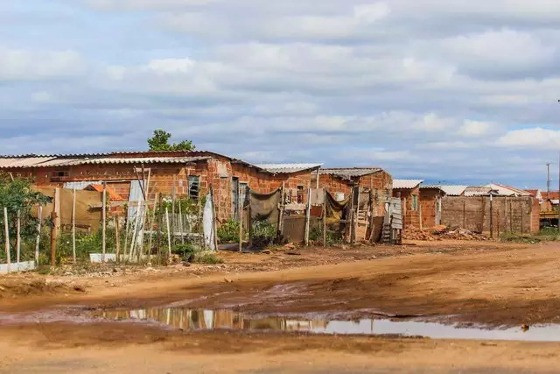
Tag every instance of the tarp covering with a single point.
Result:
(208, 224)
(336, 210)
(265, 206)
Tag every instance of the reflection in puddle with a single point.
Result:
(203, 319)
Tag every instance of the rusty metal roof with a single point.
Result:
(350, 172)
(406, 184)
(287, 168)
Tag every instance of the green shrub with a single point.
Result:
(187, 251)
(263, 234)
(207, 258)
(228, 232)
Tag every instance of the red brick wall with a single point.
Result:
(428, 206)
(411, 217)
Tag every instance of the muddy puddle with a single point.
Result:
(204, 319)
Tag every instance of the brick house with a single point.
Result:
(171, 173)
(408, 190)
(340, 181)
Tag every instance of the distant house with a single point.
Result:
(408, 190)
(549, 201)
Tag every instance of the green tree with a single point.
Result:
(17, 197)
(160, 142)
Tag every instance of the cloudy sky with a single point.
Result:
(455, 91)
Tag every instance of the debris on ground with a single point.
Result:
(442, 232)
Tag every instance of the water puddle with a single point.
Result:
(204, 319)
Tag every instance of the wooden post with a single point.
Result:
(491, 217)
(214, 218)
(308, 215)
(181, 223)
(18, 239)
(38, 239)
(56, 227)
(324, 218)
(240, 211)
(153, 221)
(168, 233)
(104, 227)
(74, 225)
(281, 210)
(117, 237)
(7, 238)
(173, 197)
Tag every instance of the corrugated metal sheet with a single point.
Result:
(287, 168)
(453, 190)
(22, 162)
(10, 162)
(407, 184)
(507, 190)
(350, 172)
(477, 191)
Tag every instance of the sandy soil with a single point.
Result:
(481, 282)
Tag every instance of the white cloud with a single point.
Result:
(171, 65)
(474, 128)
(532, 138)
(371, 12)
(21, 64)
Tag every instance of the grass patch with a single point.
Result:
(547, 234)
(209, 258)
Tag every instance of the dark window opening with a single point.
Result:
(299, 194)
(194, 187)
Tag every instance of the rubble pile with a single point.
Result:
(442, 232)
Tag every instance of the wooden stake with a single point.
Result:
(104, 228)
(281, 208)
(74, 225)
(214, 219)
(7, 237)
(153, 220)
(56, 227)
(18, 239)
(181, 223)
(168, 232)
(117, 238)
(325, 219)
(308, 215)
(240, 211)
(38, 239)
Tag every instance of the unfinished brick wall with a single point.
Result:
(411, 216)
(429, 206)
(509, 214)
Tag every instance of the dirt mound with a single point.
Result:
(25, 286)
(442, 232)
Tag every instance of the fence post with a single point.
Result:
(7, 238)
(38, 239)
(104, 228)
(74, 225)
(308, 215)
(325, 218)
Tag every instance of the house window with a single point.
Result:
(194, 187)
(415, 202)
(57, 175)
(299, 194)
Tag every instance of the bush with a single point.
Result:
(187, 251)
(264, 234)
(207, 258)
(86, 243)
(229, 232)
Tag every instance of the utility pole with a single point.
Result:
(548, 178)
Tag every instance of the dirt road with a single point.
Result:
(487, 283)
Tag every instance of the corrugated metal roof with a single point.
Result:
(406, 184)
(350, 172)
(61, 162)
(504, 190)
(22, 162)
(478, 191)
(453, 190)
(287, 168)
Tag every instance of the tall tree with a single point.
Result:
(160, 142)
